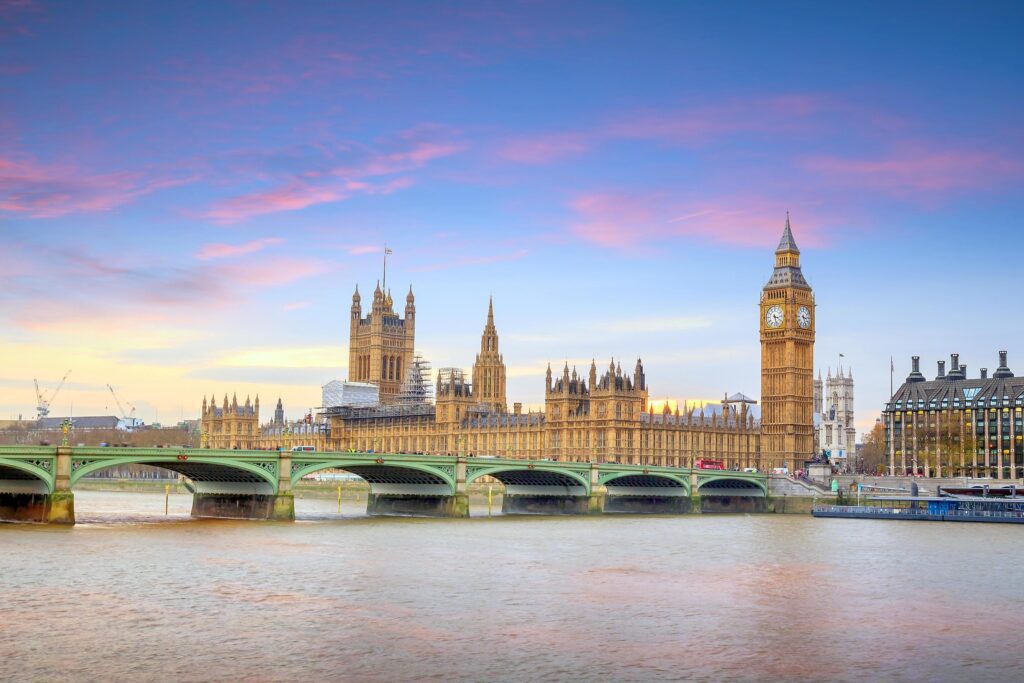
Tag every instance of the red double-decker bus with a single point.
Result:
(710, 464)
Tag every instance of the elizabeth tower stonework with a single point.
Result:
(787, 361)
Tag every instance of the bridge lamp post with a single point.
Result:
(202, 439)
(376, 445)
(462, 446)
(286, 435)
(65, 427)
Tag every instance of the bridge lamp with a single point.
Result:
(65, 427)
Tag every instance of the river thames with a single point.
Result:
(131, 595)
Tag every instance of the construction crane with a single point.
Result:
(43, 404)
(129, 418)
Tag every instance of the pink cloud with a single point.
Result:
(920, 169)
(216, 250)
(273, 271)
(544, 149)
(365, 249)
(694, 125)
(39, 191)
(639, 222)
(293, 197)
(334, 173)
(296, 305)
(111, 292)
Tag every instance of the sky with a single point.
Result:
(191, 191)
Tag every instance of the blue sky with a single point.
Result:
(189, 192)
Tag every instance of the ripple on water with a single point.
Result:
(131, 595)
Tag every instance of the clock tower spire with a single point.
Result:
(787, 361)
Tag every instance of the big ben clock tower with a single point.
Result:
(787, 361)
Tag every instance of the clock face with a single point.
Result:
(803, 316)
(774, 316)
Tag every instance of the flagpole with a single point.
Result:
(385, 268)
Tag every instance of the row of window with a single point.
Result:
(933, 404)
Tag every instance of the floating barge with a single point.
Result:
(952, 505)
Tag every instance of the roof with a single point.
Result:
(87, 422)
(787, 276)
(955, 391)
(787, 243)
(739, 397)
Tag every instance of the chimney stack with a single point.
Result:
(1003, 371)
(954, 362)
(984, 373)
(942, 369)
(915, 374)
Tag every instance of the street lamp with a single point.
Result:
(286, 435)
(65, 427)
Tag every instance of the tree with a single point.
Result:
(873, 455)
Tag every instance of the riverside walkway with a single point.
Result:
(37, 482)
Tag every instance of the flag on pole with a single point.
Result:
(387, 252)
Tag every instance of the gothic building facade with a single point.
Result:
(595, 415)
(787, 360)
(834, 432)
(489, 368)
(230, 425)
(381, 345)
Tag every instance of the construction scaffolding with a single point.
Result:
(350, 394)
(417, 388)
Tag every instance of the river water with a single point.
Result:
(131, 595)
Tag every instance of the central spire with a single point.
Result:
(787, 243)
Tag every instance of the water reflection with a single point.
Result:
(129, 594)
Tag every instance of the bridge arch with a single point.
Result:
(22, 476)
(533, 478)
(643, 483)
(210, 474)
(385, 478)
(732, 487)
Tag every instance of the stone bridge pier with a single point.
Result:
(38, 488)
(246, 500)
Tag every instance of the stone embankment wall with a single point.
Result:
(925, 486)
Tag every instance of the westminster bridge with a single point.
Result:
(37, 482)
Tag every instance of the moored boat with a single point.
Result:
(951, 505)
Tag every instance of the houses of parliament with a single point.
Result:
(600, 414)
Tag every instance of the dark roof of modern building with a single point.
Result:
(957, 391)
